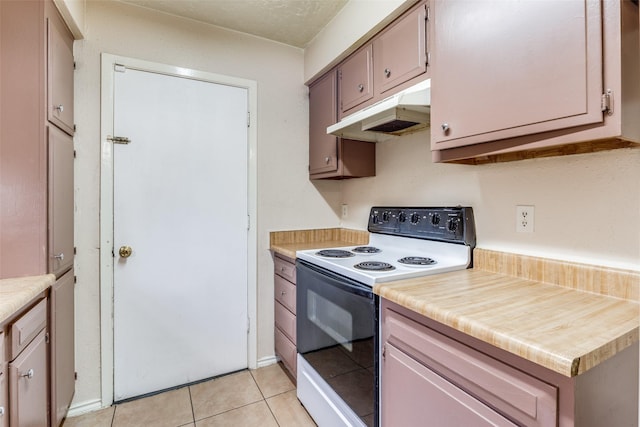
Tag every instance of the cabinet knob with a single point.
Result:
(327, 159)
(387, 72)
(283, 293)
(445, 127)
(59, 256)
(28, 374)
(360, 87)
(60, 108)
(1, 411)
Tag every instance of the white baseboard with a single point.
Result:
(266, 361)
(84, 407)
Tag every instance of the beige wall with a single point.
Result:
(286, 198)
(587, 207)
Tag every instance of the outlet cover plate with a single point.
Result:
(525, 218)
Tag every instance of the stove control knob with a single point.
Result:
(386, 216)
(375, 218)
(452, 224)
(435, 219)
(402, 217)
(415, 218)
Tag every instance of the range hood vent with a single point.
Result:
(402, 113)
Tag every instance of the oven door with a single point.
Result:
(337, 320)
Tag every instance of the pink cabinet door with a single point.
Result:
(4, 402)
(323, 148)
(60, 73)
(400, 52)
(507, 69)
(415, 396)
(62, 347)
(28, 385)
(355, 79)
(60, 201)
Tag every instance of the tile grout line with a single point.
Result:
(113, 416)
(264, 399)
(193, 412)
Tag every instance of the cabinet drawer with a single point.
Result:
(285, 293)
(286, 321)
(521, 397)
(25, 329)
(285, 269)
(286, 350)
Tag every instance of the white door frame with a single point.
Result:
(106, 203)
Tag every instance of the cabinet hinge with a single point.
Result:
(428, 13)
(118, 139)
(75, 154)
(74, 65)
(75, 250)
(46, 338)
(384, 351)
(606, 103)
(75, 279)
(75, 128)
(75, 375)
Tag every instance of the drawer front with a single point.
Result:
(513, 393)
(25, 329)
(286, 321)
(285, 269)
(285, 293)
(286, 350)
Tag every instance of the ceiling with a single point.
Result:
(292, 22)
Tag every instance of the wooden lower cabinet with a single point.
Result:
(4, 400)
(432, 372)
(285, 312)
(62, 325)
(28, 378)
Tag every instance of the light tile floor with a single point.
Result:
(264, 397)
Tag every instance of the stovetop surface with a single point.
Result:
(447, 257)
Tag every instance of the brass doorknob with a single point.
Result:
(125, 251)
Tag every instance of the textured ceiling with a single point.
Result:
(293, 22)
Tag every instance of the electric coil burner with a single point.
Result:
(416, 260)
(335, 253)
(337, 311)
(374, 266)
(366, 250)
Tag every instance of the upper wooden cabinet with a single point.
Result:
(60, 67)
(527, 76)
(400, 51)
(394, 59)
(36, 100)
(355, 79)
(330, 156)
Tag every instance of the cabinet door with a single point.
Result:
(412, 393)
(28, 385)
(62, 347)
(505, 68)
(323, 148)
(355, 80)
(60, 201)
(60, 73)
(400, 52)
(4, 402)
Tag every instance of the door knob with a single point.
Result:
(125, 251)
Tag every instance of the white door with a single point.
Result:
(180, 203)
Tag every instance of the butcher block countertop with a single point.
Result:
(563, 328)
(17, 293)
(286, 243)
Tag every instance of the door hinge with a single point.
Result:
(606, 103)
(248, 325)
(248, 222)
(118, 139)
(113, 252)
(248, 118)
(118, 68)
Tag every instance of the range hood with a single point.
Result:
(405, 112)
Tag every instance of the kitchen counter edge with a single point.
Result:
(16, 293)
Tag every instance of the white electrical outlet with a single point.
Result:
(345, 211)
(525, 219)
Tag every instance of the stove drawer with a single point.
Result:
(285, 268)
(285, 321)
(285, 293)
